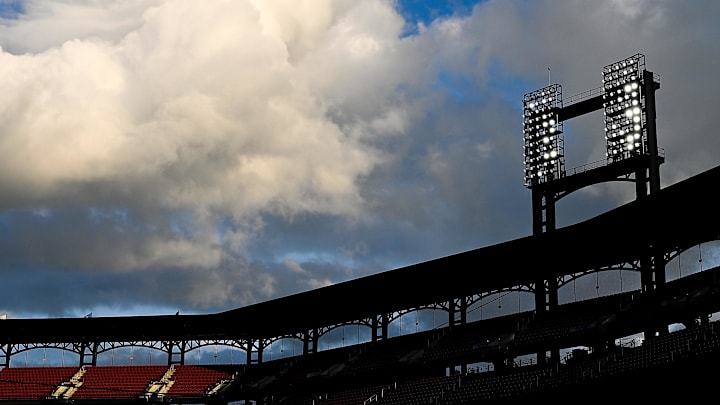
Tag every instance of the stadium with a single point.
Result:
(342, 341)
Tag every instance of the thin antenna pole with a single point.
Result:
(548, 75)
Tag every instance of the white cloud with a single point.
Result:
(48, 24)
(181, 108)
(199, 101)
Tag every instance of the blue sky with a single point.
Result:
(172, 155)
(11, 9)
(425, 12)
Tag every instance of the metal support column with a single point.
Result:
(380, 327)
(88, 354)
(176, 352)
(457, 311)
(653, 261)
(310, 342)
(546, 299)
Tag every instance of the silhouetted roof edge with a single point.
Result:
(678, 216)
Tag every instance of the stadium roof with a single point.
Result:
(677, 217)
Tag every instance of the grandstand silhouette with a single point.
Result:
(649, 342)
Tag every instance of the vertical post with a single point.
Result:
(546, 291)
(380, 327)
(249, 349)
(260, 350)
(651, 129)
(657, 260)
(654, 169)
(458, 311)
(310, 341)
(88, 350)
(652, 263)
(176, 352)
(544, 222)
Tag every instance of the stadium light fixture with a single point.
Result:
(625, 110)
(544, 148)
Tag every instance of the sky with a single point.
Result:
(177, 155)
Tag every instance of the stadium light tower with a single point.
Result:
(543, 135)
(627, 98)
(625, 108)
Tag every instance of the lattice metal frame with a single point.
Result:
(624, 108)
(544, 144)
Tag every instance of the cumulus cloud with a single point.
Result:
(143, 135)
(229, 152)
